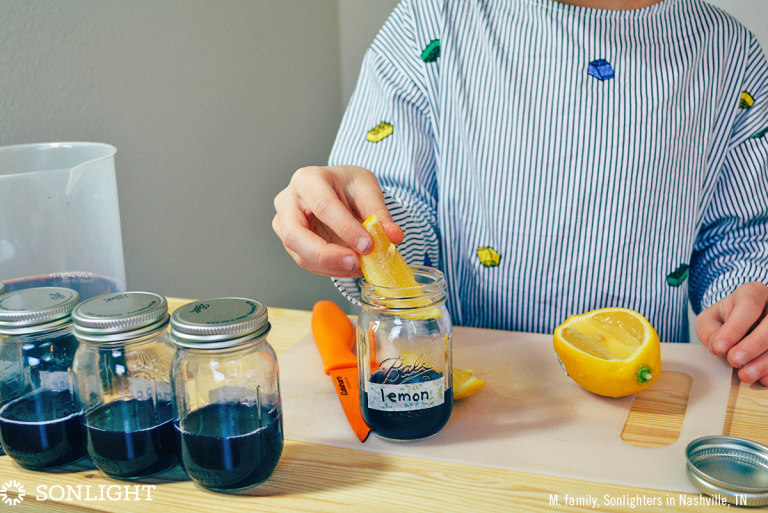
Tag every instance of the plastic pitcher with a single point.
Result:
(59, 218)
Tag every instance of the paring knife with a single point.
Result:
(334, 336)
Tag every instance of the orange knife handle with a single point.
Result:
(334, 336)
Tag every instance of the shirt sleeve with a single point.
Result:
(732, 246)
(389, 128)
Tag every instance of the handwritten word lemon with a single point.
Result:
(612, 352)
(386, 270)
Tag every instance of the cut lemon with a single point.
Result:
(465, 384)
(386, 270)
(612, 352)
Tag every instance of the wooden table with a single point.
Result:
(313, 477)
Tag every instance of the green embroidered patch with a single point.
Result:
(488, 256)
(379, 132)
(746, 100)
(431, 52)
(761, 133)
(678, 276)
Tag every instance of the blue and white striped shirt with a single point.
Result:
(553, 159)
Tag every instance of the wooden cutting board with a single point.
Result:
(530, 417)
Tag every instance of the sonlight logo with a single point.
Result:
(10, 489)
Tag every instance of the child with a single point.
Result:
(551, 159)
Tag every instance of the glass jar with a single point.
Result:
(226, 409)
(39, 409)
(404, 358)
(123, 375)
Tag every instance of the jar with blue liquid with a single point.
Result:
(123, 370)
(227, 408)
(39, 409)
(405, 357)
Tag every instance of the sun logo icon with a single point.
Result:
(13, 486)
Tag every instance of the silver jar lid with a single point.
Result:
(732, 469)
(219, 323)
(120, 316)
(36, 310)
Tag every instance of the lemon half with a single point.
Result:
(613, 352)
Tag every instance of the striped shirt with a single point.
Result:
(553, 159)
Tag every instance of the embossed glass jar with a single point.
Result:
(227, 409)
(39, 408)
(404, 357)
(123, 369)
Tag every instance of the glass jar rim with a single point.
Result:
(398, 298)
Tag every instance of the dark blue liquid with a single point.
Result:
(45, 360)
(88, 285)
(223, 447)
(406, 425)
(131, 439)
(42, 430)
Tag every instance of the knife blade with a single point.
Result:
(334, 337)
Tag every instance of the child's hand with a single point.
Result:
(737, 326)
(318, 218)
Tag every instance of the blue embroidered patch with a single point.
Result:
(427, 261)
(600, 69)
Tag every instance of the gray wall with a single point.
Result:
(212, 106)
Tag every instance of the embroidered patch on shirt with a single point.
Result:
(488, 256)
(427, 261)
(761, 133)
(431, 52)
(746, 100)
(678, 276)
(379, 132)
(600, 69)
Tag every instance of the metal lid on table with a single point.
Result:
(120, 316)
(734, 469)
(36, 310)
(219, 323)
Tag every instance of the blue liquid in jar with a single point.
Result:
(129, 439)
(42, 429)
(224, 447)
(411, 424)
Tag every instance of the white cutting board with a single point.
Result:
(530, 417)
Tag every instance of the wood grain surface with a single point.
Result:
(313, 477)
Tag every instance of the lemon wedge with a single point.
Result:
(387, 271)
(613, 352)
(465, 384)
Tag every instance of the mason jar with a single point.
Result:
(227, 408)
(39, 408)
(123, 375)
(404, 357)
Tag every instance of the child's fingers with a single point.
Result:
(707, 324)
(757, 368)
(315, 187)
(307, 248)
(739, 318)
